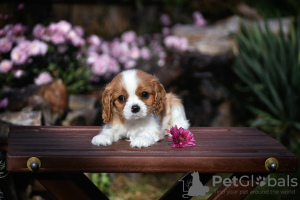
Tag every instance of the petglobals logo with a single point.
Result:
(255, 180)
(192, 185)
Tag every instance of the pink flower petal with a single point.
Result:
(182, 138)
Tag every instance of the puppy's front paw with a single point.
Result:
(141, 142)
(102, 140)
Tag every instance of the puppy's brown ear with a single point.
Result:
(159, 96)
(107, 105)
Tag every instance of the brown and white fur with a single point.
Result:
(136, 107)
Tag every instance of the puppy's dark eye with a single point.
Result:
(145, 95)
(121, 98)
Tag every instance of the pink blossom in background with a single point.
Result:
(198, 19)
(2, 33)
(18, 73)
(6, 29)
(105, 47)
(5, 66)
(129, 37)
(183, 44)
(39, 30)
(181, 137)
(43, 78)
(58, 38)
(103, 64)
(18, 55)
(141, 41)
(79, 30)
(161, 62)
(64, 26)
(4, 103)
(19, 39)
(145, 53)
(94, 40)
(5, 45)
(165, 20)
(75, 39)
(19, 29)
(37, 47)
(166, 31)
(119, 50)
(134, 53)
(24, 45)
(114, 66)
(178, 43)
(129, 64)
(91, 57)
(100, 66)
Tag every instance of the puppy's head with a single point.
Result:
(132, 94)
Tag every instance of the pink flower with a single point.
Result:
(5, 66)
(178, 43)
(104, 64)
(129, 37)
(94, 40)
(58, 38)
(19, 55)
(5, 45)
(4, 103)
(43, 78)
(198, 19)
(145, 53)
(166, 31)
(39, 30)
(129, 64)
(62, 26)
(19, 29)
(119, 49)
(165, 20)
(134, 52)
(79, 30)
(37, 47)
(18, 73)
(161, 62)
(181, 137)
(75, 39)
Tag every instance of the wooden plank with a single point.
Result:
(216, 150)
(70, 186)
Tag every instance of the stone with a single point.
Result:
(83, 117)
(22, 118)
(84, 110)
(51, 99)
(212, 39)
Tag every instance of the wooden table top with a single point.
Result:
(69, 149)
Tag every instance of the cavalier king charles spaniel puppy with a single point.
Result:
(135, 106)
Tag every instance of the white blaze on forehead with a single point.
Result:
(130, 81)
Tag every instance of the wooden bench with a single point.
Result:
(65, 153)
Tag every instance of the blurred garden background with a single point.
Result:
(234, 63)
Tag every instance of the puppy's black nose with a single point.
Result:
(135, 109)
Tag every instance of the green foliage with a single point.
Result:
(278, 8)
(269, 67)
(102, 181)
(69, 67)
